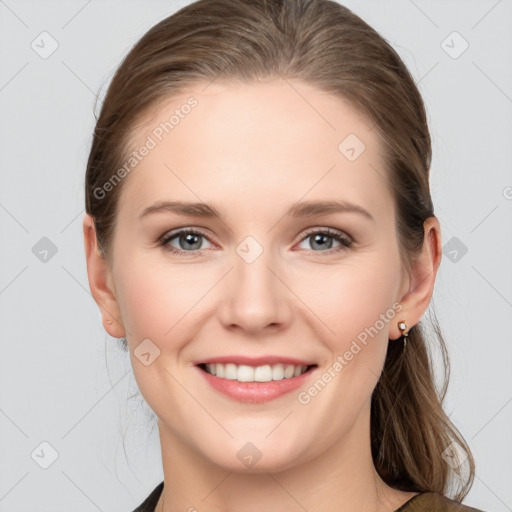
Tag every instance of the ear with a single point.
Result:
(100, 281)
(418, 289)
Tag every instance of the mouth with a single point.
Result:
(262, 373)
(258, 382)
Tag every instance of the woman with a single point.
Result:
(260, 231)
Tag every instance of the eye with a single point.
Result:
(322, 238)
(189, 241)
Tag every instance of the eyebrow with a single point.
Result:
(300, 209)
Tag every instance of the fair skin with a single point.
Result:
(252, 151)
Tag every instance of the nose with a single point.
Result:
(256, 298)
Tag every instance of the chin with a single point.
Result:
(267, 464)
(250, 457)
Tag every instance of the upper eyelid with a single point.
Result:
(329, 231)
(174, 233)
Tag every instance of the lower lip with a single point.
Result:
(255, 392)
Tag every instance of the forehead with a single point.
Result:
(256, 144)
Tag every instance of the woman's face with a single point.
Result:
(269, 282)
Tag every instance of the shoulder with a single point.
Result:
(434, 502)
(149, 504)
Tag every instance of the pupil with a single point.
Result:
(321, 236)
(189, 237)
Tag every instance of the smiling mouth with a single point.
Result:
(263, 373)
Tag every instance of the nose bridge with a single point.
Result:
(254, 280)
(256, 297)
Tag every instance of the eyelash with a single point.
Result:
(339, 236)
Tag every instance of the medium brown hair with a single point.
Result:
(325, 45)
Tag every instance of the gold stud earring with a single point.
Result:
(109, 321)
(403, 327)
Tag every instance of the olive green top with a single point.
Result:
(422, 502)
(434, 502)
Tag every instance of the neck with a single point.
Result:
(341, 478)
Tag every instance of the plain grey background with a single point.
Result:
(64, 382)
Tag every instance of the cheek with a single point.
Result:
(351, 297)
(155, 300)
(358, 305)
(158, 303)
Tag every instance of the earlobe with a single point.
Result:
(99, 277)
(423, 273)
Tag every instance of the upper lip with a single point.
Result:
(255, 361)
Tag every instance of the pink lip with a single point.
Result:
(255, 361)
(255, 392)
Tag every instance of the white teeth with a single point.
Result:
(264, 373)
(245, 373)
(277, 372)
(230, 371)
(288, 371)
